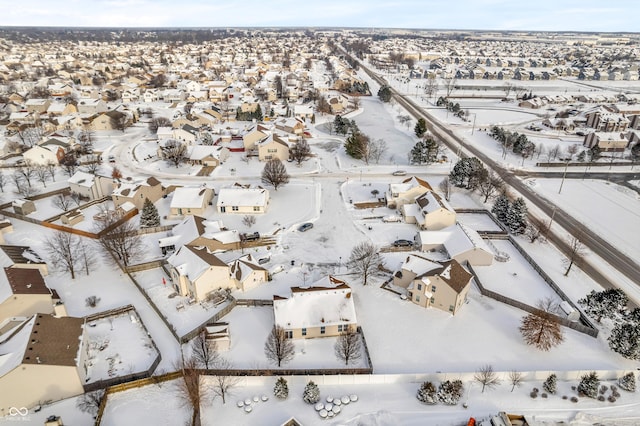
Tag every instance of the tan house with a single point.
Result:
(190, 201)
(23, 292)
(196, 231)
(90, 186)
(196, 273)
(431, 284)
(322, 309)
(273, 147)
(91, 106)
(207, 155)
(406, 192)
(290, 125)
(42, 155)
(135, 192)
(37, 105)
(430, 211)
(39, 362)
(253, 136)
(105, 121)
(242, 199)
(458, 242)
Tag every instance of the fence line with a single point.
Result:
(144, 266)
(254, 302)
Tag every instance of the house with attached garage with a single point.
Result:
(41, 155)
(242, 199)
(40, 362)
(136, 191)
(457, 242)
(188, 200)
(406, 192)
(90, 186)
(322, 309)
(429, 211)
(273, 147)
(442, 285)
(197, 231)
(23, 292)
(196, 272)
(207, 155)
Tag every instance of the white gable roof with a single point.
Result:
(242, 197)
(189, 197)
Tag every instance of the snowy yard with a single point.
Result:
(117, 346)
(478, 221)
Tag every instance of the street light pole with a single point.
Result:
(564, 175)
(473, 128)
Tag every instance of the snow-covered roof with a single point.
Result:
(12, 351)
(189, 197)
(456, 239)
(243, 197)
(198, 152)
(328, 301)
(419, 265)
(192, 262)
(81, 178)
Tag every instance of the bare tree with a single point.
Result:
(249, 221)
(536, 229)
(348, 347)
(64, 251)
(90, 402)
(450, 85)
(157, 122)
(188, 388)
(490, 185)
(174, 151)
(62, 202)
(377, 148)
(3, 181)
(51, 169)
(275, 173)
(221, 382)
(445, 186)
(69, 163)
(576, 252)
(365, 260)
(515, 378)
(87, 257)
(279, 348)
(486, 377)
(300, 151)
(28, 171)
(432, 85)
(541, 329)
(41, 174)
(92, 163)
(204, 351)
(119, 239)
(119, 121)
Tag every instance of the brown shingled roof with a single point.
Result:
(54, 341)
(26, 281)
(16, 254)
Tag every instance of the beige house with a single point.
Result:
(430, 211)
(90, 186)
(135, 192)
(39, 362)
(190, 201)
(196, 273)
(91, 106)
(196, 231)
(459, 242)
(37, 105)
(242, 199)
(41, 155)
(431, 284)
(406, 192)
(207, 155)
(105, 121)
(322, 309)
(610, 142)
(272, 147)
(23, 292)
(254, 135)
(290, 125)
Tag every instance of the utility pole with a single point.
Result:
(564, 175)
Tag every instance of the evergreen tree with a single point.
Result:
(467, 173)
(551, 384)
(427, 393)
(384, 93)
(450, 392)
(625, 340)
(421, 127)
(419, 153)
(517, 216)
(432, 150)
(340, 125)
(501, 208)
(149, 217)
(281, 388)
(604, 304)
(589, 384)
(357, 146)
(628, 382)
(311, 393)
(257, 114)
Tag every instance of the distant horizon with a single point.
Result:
(584, 16)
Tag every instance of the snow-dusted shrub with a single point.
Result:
(450, 392)
(574, 399)
(611, 398)
(427, 393)
(628, 382)
(589, 384)
(551, 384)
(311, 393)
(281, 388)
(601, 398)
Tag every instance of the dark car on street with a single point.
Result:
(403, 243)
(305, 227)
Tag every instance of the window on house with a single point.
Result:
(339, 328)
(451, 308)
(322, 329)
(234, 208)
(433, 288)
(304, 331)
(223, 209)
(256, 208)
(288, 334)
(433, 300)
(419, 286)
(417, 298)
(272, 150)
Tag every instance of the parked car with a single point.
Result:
(263, 260)
(250, 237)
(305, 227)
(403, 243)
(392, 218)
(399, 173)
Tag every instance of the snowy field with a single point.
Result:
(478, 221)
(610, 210)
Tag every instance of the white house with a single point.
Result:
(242, 199)
(90, 186)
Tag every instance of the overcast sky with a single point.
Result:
(551, 15)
